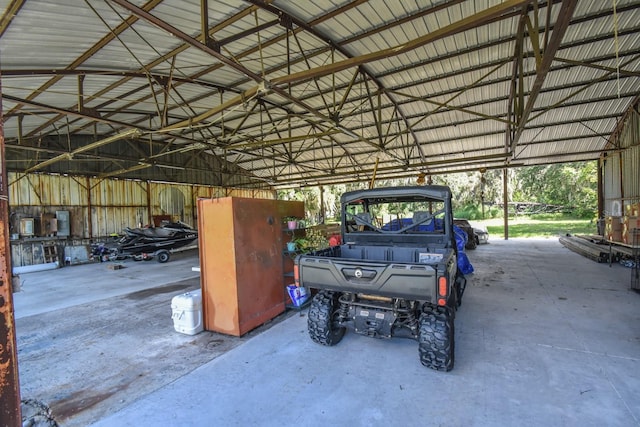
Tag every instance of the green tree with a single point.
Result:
(571, 185)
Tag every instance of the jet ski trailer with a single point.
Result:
(146, 243)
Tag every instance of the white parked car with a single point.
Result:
(482, 235)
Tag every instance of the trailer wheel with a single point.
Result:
(163, 256)
(321, 321)
(437, 339)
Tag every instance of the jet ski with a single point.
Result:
(146, 243)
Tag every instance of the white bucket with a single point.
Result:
(187, 312)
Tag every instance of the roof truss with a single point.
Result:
(280, 94)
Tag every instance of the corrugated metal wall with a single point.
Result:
(631, 169)
(612, 188)
(621, 169)
(99, 207)
(116, 204)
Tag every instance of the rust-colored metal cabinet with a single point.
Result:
(240, 243)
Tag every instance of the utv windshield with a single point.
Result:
(395, 216)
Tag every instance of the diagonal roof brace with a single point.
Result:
(449, 30)
(262, 88)
(263, 85)
(131, 133)
(559, 29)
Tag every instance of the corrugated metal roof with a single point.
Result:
(304, 93)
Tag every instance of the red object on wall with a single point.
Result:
(335, 240)
(159, 219)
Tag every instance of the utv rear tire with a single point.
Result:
(322, 319)
(437, 339)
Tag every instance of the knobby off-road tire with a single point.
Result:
(321, 321)
(437, 340)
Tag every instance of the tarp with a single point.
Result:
(464, 265)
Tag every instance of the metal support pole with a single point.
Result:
(322, 210)
(149, 213)
(600, 188)
(10, 415)
(89, 207)
(505, 202)
(204, 21)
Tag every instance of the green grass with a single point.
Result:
(536, 227)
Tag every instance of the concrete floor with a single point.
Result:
(544, 337)
(51, 290)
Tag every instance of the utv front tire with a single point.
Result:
(322, 319)
(437, 340)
